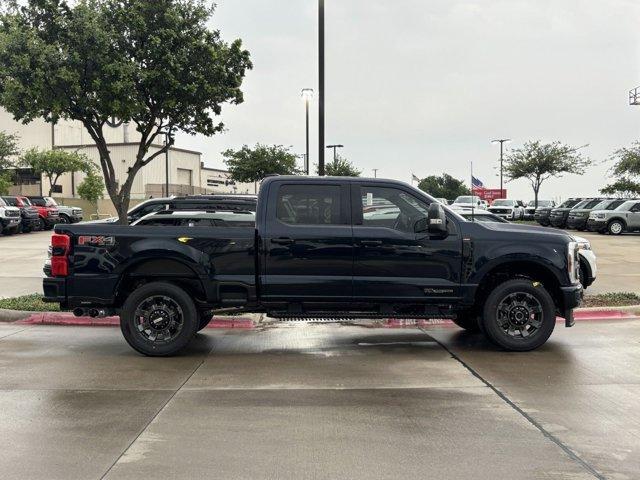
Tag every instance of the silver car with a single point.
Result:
(625, 218)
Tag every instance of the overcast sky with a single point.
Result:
(422, 86)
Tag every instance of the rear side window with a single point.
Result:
(615, 204)
(40, 202)
(635, 208)
(309, 204)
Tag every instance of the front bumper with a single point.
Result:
(529, 215)
(596, 225)
(11, 222)
(50, 221)
(571, 298)
(559, 222)
(542, 218)
(577, 222)
(76, 218)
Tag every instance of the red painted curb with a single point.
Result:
(68, 319)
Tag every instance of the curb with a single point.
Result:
(250, 321)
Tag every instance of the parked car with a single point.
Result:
(312, 253)
(48, 212)
(507, 209)
(67, 214)
(186, 218)
(579, 215)
(588, 265)
(558, 216)
(625, 218)
(244, 203)
(530, 209)
(443, 201)
(28, 213)
(9, 219)
(467, 202)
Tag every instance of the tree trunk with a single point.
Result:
(535, 195)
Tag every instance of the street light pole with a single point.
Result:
(307, 94)
(321, 87)
(502, 141)
(335, 154)
(375, 172)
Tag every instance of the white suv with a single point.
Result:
(507, 209)
(9, 218)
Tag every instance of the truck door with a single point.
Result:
(308, 243)
(392, 262)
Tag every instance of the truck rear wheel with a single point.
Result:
(519, 315)
(159, 319)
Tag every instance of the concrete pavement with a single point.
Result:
(320, 401)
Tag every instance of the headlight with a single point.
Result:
(572, 263)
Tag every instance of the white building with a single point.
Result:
(187, 173)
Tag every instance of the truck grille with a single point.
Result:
(12, 213)
(500, 210)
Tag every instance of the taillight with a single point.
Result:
(60, 247)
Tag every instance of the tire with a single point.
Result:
(1, 229)
(616, 227)
(65, 219)
(467, 321)
(519, 301)
(40, 225)
(162, 299)
(205, 318)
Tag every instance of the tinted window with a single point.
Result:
(615, 204)
(146, 210)
(159, 221)
(197, 222)
(13, 202)
(391, 208)
(309, 204)
(635, 208)
(569, 204)
(40, 202)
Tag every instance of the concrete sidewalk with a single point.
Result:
(320, 401)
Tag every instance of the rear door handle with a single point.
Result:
(370, 243)
(282, 241)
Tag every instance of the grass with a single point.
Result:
(619, 299)
(28, 303)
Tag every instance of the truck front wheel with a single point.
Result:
(519, 315)
(159, 319)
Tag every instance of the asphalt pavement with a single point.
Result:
(22, 258)
(295, 401)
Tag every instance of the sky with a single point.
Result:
(423, 86)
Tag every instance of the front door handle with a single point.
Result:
(370, 243)
(282, 241)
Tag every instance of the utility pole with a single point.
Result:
(321, 87)
(375, 172)
(502, 141)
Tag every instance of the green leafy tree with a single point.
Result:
(253, 164)
(626, 172)
(443, 186)
(538, 162)
(5, 183)
(54, 163)
(155, 64)
(91, 188)
(341, 167)
(8, 150)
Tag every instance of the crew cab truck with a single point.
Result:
(318, 250)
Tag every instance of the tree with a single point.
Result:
(91, 188)
(155, 64)
(8, 150)
(253, 164)
(443, 186)
(626, 172)
(342, 168)
(5, 183)
(53, 163)
(537, 162)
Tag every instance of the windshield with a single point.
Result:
(569, 204)
(50, 202)
(2, 203)
(466, 199)
(503, 203)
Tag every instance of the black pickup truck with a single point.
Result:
(326, 248)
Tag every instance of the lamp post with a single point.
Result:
(335, 154)
(307, 95)
(375, 172)
(321, 87)
(501, 141)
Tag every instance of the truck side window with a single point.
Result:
(309, 204)
(391, 208)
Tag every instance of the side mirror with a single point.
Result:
(435, 223)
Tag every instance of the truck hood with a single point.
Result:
(525, 229)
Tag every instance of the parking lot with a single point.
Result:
(320, 401)
(22, 257)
